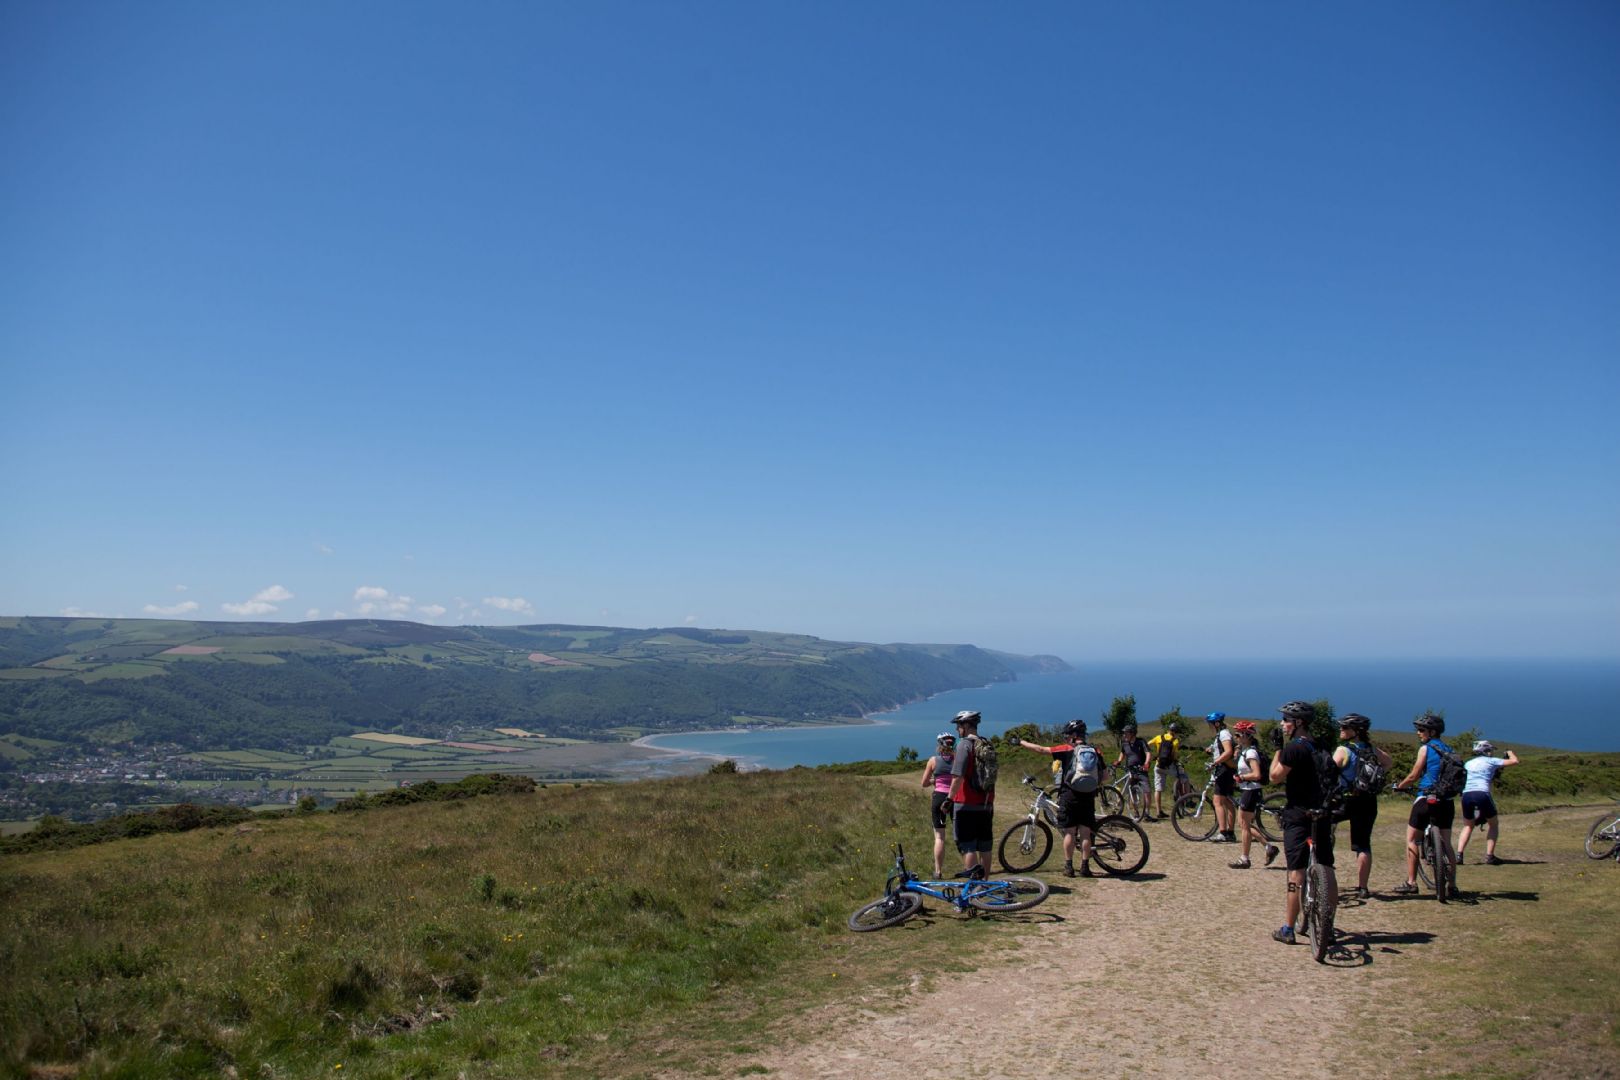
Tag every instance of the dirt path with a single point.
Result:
(1171, 974)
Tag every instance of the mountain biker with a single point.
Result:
(1440, 813)
(1250, 787)
(937, 773)
(1223, 766)
(1165, 750)
(1477, 805)
(1295, 768)
(1360, 810)
(1133, 754)
(972, 809)
(1077, 810)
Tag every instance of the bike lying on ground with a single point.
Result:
(1193, 815)
(1603, 838)
(904, 891)
(1118, 844)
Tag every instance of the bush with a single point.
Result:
(721, 768)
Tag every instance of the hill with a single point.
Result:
(286, 685)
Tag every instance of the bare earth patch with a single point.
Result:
(191, 650)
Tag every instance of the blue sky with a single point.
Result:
(1171, 330)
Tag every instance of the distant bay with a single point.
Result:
(1558, 703)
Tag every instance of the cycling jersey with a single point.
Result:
(942, 772)
(1249, 762)
(1431, 765)
(1482, 774)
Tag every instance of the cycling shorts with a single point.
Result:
(1439, 815)
(1361, 811)
(972, 829)
(1225, 781)
(1297, 826)
(1250, 798)
(1076, 810)
(942, 809)
(1478, 806)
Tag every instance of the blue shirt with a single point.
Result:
(1431, 765)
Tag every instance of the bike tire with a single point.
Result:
(1320, 923)
(1119, 847)
(1442, 887)
(1187, 820)
(1268, 817)
(1136, 801)
(1425, 863)
(890, 910)
(1111, 801)
(1009, 894)
(1603, 837)
(1025, 846)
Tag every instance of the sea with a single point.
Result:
(1548, 703)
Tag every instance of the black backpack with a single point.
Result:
(1167, 752)
(1368, 778)
(1329, 777)
(1265, 764)
(1449, 781)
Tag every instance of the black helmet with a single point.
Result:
(1434, 725)
(966, 716)
(1127, 727)
(1298, 710)
(1075, 729)
(1355, 722)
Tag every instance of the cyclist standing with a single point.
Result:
(1133, 754)
(1165, 750)
(1302, 823)
(937, 773)
(1440, 813)
(1477, 805)
(1077, 810)
(972, 808)
(1223, 764)
(1360, 810)
(1251, 789)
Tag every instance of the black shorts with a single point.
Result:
(1250, 799)
(1076, 809)
(1225, 781)
(1361, 811)
(1296, 827)
(1439, 814)
(1478, 806)
(942, 809)
(972, 829)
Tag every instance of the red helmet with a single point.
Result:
(1244, 727)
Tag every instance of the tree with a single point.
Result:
(1120, 713)
(1179, 723)
(1323, 731)
(906, 754)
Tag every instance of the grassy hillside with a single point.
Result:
(518, 932)
(269, 685)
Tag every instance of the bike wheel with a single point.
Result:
(1111, 801)
(1118, 846)
(1025, 846)
(1425, 865)
(1442, 884)
(1136, 800)
(1268, 819)
(1009, 894)
(1603, 837)
(1192, 818)
(1320, 923)
(890, 910)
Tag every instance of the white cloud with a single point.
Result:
(181, 588)
(275, 594)
(689, 620)
(312, 614)
(370, 592)
(375, 600)
(184, 608)
(433, 611)
(462, 604)
(340, 614)
(252, 607)
(515, 604)
(322, 549)
(80, 613)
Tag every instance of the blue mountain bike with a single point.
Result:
(903, 896)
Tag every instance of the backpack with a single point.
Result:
(1265, 764)
(983, 776)
(1329, 777)
(1449, 781)
(1368, 778)
(1085, 769)
(1167, 752)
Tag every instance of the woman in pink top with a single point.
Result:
(938, 773)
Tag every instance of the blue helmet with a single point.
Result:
(1216, 718)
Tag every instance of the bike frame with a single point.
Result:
(957, 892)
